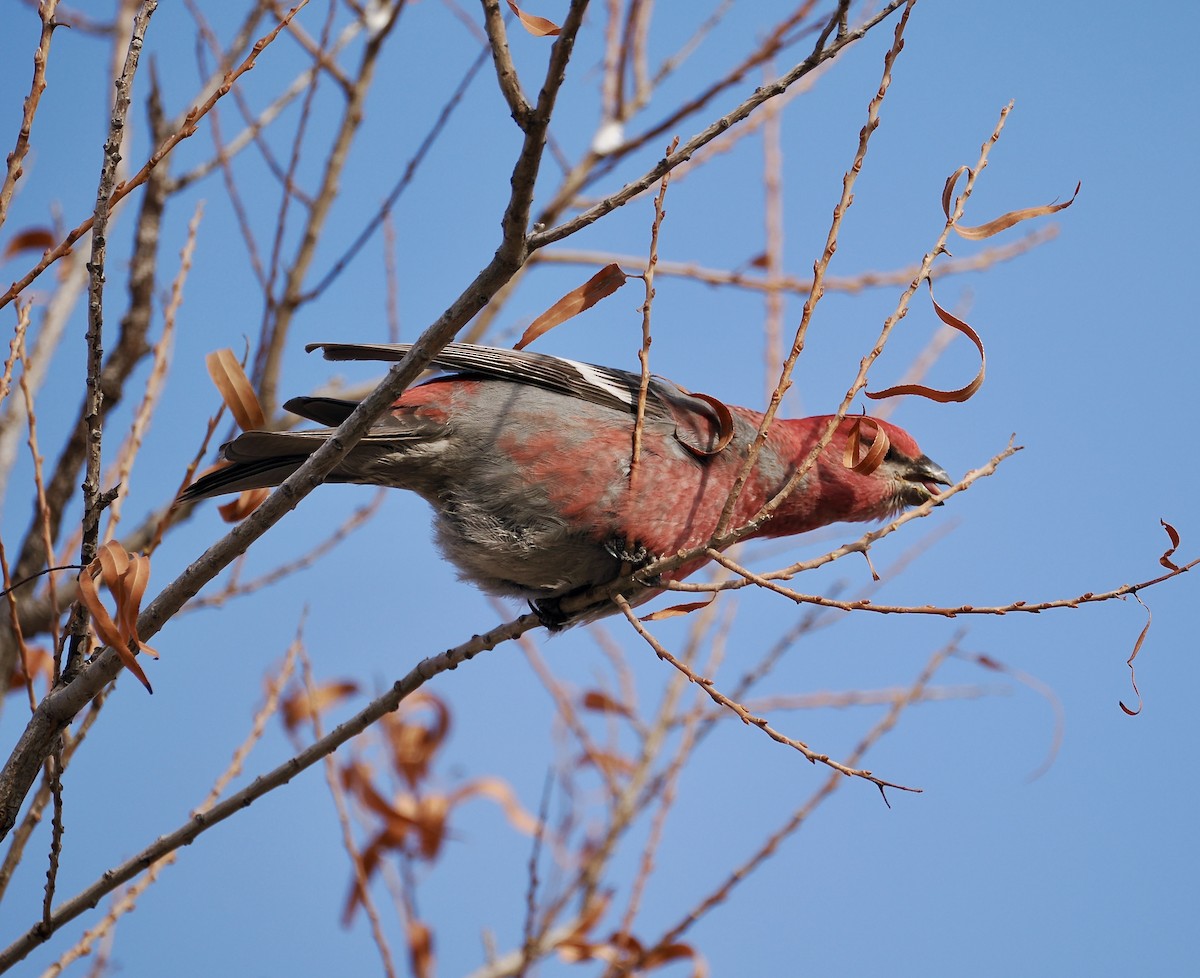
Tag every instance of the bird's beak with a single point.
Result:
(931, 475)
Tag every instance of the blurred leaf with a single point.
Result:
(413, 744)
(420, 949)
(246, 503)
(601, 702)
(302, 706)
(31, 239)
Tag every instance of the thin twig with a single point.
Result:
(41, 54)
(745, 715)
(647, 339)
(125, 187)
(201, 822)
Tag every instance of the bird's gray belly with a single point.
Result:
(520, 550)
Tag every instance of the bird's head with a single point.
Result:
(859, 476)
(884, 467)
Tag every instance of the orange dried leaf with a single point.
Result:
(420, 949)
(1137, 647)
(413, 745)
(948, 190)
(33, 665)
(724, 426)
(1165, 559)
(110, 633)
(666, 953)
(227, 373)
(31, 239)
(874, 456)
(502, 794)
(245, 504)
(676, 610)
(1005, 221)
(943, 397)
(610, 763)
(604, 283)
(303, 705)
(537, 26)
(600, 702)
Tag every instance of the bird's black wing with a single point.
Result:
(699, 424)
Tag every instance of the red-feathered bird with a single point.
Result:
(525, 459)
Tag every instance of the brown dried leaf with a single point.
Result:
(126, 581)
(724, 426)
(246, 503)
(604, 283)
(41, 666)
(874, 455)
(666, 953)
(609, 762)
(413, 745)
(537, 26)
(31, 239)
(420, 949)
(948, 190)
(943, 397)
(1165, 559)
(303, 705)
(1137, 647)
(227, 373)
(601, 702)
(1005, 221)
(502, 794)
(677, 609)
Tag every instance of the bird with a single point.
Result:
(525, 459)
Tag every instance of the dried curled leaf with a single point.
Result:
(231, 380)
(420, 949)
(622, 950)
(725, 429)
(943, 397)
(1004, 221)
(35, 665)
(537, 26)
(1165, 559)
(601, 702)
(1137, 647)
(246, 503)
(303, 705)
(501, 792)
(126, 577)
(601, 285)
(413, 744)
(677, 609)
(874, 455)
(31, 239)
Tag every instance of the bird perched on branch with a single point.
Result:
(526, 457)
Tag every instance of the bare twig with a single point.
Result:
(41, 55)
(745, 715)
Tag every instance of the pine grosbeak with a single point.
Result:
(525, 459)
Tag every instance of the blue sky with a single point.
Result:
(1091, 341)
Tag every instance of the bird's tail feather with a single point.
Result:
(258, 460)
